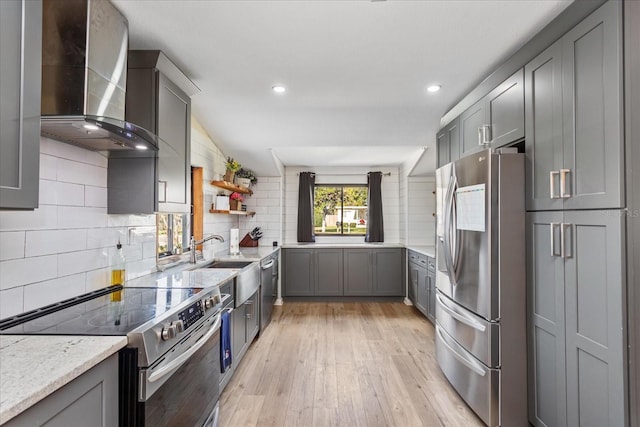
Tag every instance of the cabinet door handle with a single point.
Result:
(486, 134)
(552, 228)
(563, 238)
(480, 135)
(563, 183)
(552, 187)
(162, 189)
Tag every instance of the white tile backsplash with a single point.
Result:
(20, 272)
(50, 291)
(11, 245)
(47, 242)
(62, 249)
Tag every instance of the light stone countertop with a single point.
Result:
(362, 245)
(33, 367)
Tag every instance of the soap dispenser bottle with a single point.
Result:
(117, 271)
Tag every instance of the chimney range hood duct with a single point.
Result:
(84, 74)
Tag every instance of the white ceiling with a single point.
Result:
(356, 72)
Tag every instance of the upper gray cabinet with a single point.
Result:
(495, 120)
(574, 117)
(448, 143)
(21, 52)
(158, 99)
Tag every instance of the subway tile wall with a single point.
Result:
(63, 248)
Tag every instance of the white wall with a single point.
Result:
(63, 248)
(421, 207)
(343, 175)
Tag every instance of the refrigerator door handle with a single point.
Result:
(467, 320)
(448, 261)
(471, 364)
(552, 227)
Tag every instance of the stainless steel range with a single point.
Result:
(170, 369)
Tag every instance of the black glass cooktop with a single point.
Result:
(111, 311)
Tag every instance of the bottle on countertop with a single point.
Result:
(117, 271)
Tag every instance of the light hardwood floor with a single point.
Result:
(343, 364)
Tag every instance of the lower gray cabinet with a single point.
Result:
(388, 279)
(343, 272)
(298, 277)
(328, 272)
(246, 324)
(357, 272)
(422, 280)
(575, 311)
(89, 400)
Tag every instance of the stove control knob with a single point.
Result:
(168, 332)
(179, 325)
(209, 303)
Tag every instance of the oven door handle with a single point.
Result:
(165, 370)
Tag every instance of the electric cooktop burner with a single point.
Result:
(106, 312)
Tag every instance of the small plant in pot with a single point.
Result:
(246, 177)
(232, 167)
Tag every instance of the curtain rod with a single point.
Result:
(344, 174)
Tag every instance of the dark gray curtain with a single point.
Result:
(375, 224)
(305, 207)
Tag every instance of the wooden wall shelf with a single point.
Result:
(217, 211)
(232, 187)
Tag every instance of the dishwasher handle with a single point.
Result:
(267, 265)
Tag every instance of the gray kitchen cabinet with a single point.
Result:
(495, 120)
(576, 333)
(471, 121)
(21, 48)
(246, 324)
(328, 272)
(140, 183)
(89, 400)
(358, 280)
(543, 117)
(574, 117)
(448, 143)
(424, 282)
(388, 269)
(412, 288)
(343, 272)
(298, 272)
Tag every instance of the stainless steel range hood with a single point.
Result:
(84, 74)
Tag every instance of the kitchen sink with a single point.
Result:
(228, 264)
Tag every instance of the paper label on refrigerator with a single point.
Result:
(471, 212)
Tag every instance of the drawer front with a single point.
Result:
(431, 264)
(479, 337)
(418, 258)
(478, 385)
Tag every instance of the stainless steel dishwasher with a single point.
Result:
(266, 291)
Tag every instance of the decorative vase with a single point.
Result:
(228, 176)
(243, 182)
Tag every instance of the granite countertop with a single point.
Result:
(33, 367)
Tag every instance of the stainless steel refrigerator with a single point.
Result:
(480, 281)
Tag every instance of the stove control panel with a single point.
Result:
(190, 315)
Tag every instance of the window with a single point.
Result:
(173, 233)
(340, 209)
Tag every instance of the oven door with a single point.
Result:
(182, 388)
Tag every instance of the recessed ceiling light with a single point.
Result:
(434, 88)
(278, 88)
(90, 127)
(141, 147)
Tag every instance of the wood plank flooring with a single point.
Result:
(322, 364)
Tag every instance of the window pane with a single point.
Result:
(340, 210)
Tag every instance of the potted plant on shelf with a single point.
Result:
(236, 201)
(246, 177)
(232, 167)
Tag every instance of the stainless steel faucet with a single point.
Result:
(193, 243)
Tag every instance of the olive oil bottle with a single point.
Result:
(117, 272)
